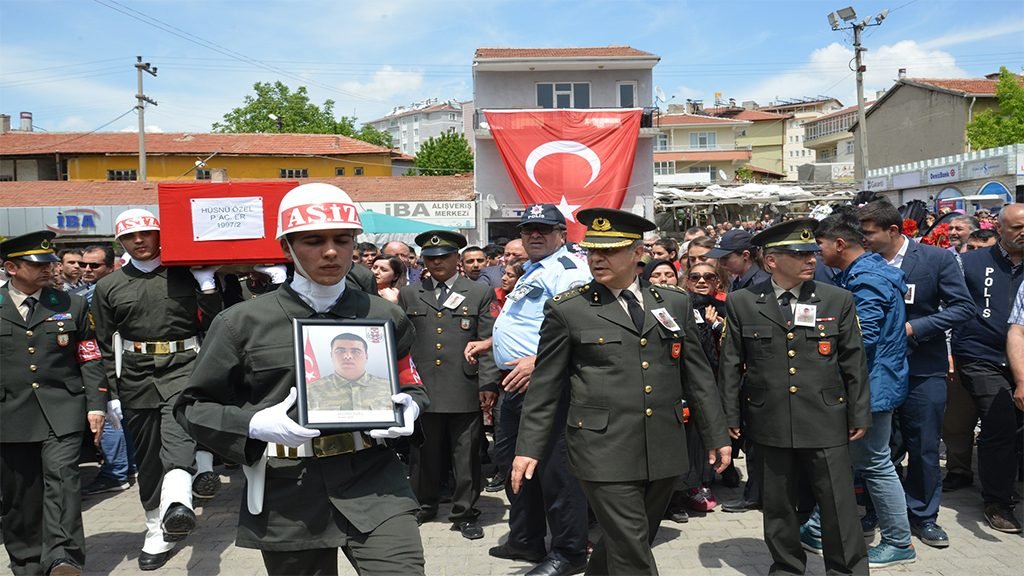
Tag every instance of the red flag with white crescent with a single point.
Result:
(312, 369)
(573, 159)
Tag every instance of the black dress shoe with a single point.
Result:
(205, 485)
(956, 481)
(731, 477)
(677, 515)
(555, 566)
(470, 529)
(149, 561)
(423, 516)
(497, 483)
(740, 506)
(509, 552)
(64, 567)
(178, 523)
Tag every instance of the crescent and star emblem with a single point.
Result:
(563, 147)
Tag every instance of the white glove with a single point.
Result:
(273, 425)
(278, 273)
(114, 415)
(410, 411)
(205, 277)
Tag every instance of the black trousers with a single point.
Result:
(788, 474)
(161, 445)
(991, 388)
(629, 514)
(392, 548)
(41, 496)
(462, 432)
(553, 498)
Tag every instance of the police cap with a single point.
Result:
(736, 240)
(791, 235)
(34, 247)
(440, 242)
(608, 228)
(546, 214)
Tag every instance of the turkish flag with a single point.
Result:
(570, 158)
(312, 369)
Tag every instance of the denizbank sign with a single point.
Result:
(944, 174)
(450, 214)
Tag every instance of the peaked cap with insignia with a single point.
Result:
(440, 242)
(608, 228)
(792, 235)
(34, 247)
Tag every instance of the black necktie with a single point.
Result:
(636, 312)
(787, 310)
(442, 294)
(30, 303)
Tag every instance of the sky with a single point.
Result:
(71, 62)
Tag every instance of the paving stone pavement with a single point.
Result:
(718, 543)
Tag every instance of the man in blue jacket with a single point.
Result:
(993, 277)
(878, 291)
(936, 300)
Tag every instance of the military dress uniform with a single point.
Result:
(625, 433)
(334, 392)
(805, 387)
(454, 385)
(51, 377)
(159, 317)
(335, 491)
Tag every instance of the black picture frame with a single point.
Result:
(378, 380)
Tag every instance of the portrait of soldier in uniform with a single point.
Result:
(350, 387)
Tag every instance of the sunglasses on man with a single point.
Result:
(92, 265)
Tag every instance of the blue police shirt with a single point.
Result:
(517, 329)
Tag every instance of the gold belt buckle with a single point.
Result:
(333, 445)
(161, 347)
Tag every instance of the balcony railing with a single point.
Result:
(649, 118)
(724, 148)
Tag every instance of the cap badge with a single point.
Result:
(601, 225)
(537, 210)
(805, 234)
(45, 244)
(435, 240)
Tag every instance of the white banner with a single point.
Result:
(985, 168)
(227, 218)
(944, 174)
(879, 183)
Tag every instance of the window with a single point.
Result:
(451, 129)
(626, 94)
(661, 144)
(563, 95)
(705, 170)
(451, 116)
(849, 147)
(664, 168)
(339, 171)
(121, 175)
(6, 178)
(202, 174)
(294, 173)
(358, 171)
(703, 140)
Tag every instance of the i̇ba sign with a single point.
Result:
(440, 213)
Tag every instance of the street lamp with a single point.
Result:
(277, 119)
(848, 14)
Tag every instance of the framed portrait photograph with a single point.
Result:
(346, 372)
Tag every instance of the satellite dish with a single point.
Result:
(491, 202)
(723, 175)
(659, 94)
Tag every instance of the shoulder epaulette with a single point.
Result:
(571, 292)
(567, 263)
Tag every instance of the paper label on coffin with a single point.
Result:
(227, 218)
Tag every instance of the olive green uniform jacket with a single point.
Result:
(806, 385)
(50, 371)
(247, 364)
(454, 384)
(625, 413)
(159, 306)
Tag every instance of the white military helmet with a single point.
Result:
(317, 206)
(135, 220)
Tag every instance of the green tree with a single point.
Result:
(1005, 124)
(444, 155)
(276, 108)
(745, 174)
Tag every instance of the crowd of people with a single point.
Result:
(611, 380)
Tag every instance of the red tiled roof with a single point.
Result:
(17, 143)
(744, 114)
(694, 119)
(966, 86)
(102, 193)
(702, 156)
(598, 52)
(764, 170)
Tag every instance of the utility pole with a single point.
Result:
(848, 14)
(141, 107)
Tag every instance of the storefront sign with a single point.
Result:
(450, 214)
(76, 221)
(239, 218)
(512, 212)
(879, 183)
(944, 174)
(986, 168)
(906, 180)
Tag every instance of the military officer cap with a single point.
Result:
(545, 214)
(608, 228)
(440, 242)
(34, 247)
(791, 235)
